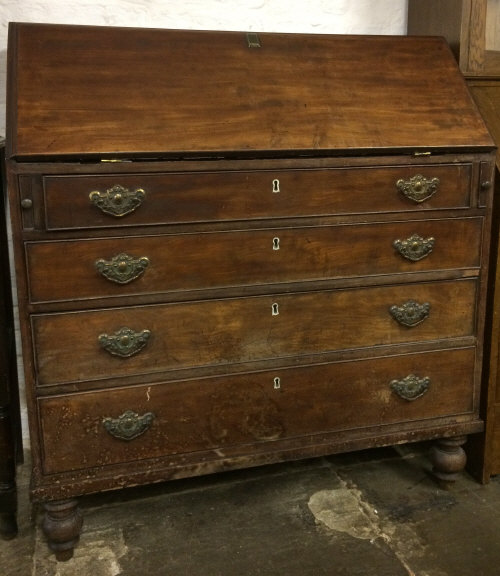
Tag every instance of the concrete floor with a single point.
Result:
(376, 512)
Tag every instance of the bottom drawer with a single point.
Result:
(84, 430)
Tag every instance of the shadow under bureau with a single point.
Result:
(235, 249)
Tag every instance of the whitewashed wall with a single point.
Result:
(317, 16)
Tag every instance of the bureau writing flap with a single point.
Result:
(100, 91)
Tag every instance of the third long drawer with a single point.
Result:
(136, 340)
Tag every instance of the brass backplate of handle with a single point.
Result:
(118, 200)
(418, 188)
(411, 387)
(410, 313)
(125, 342)
(122, 268)
(415, 247)
(129, 425)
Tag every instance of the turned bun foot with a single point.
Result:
(62, 524)
(448, 458)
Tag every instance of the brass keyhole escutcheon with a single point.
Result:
(276, 185)
(277, 383)
(275, 309)
(276, 243)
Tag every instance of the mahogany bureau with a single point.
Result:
(234, 249)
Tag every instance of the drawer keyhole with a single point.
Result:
(276, 186)
(277, 383)
(274, 309)
(276, 243)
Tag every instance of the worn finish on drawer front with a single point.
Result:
(214, 413)
(67, 271)
(221, 196)
(222, 332)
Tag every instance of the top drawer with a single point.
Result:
(96, 201)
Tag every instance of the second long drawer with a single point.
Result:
(113, 267)
(157, 338)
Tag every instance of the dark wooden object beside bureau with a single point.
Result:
(235, 249)
(10, 420)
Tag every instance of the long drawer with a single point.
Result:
(86, 269)
(138, 423)
(92, 201)
(135, 340)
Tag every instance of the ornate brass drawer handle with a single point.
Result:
(411, 387)
(129, 425)
(418, 188)
(122, 268)
(124, 342)
(117, 201)
(415, 247)
(410, 313)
